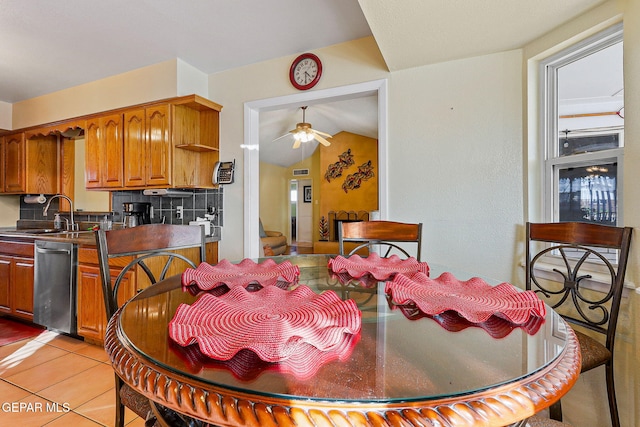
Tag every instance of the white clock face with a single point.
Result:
(305, 71)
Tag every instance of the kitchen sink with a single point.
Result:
(39, 231)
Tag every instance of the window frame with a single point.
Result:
(549, 124)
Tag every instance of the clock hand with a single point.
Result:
(307, 77)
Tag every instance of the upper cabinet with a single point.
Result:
(28, 165)
(147, 147)
(103, 152)
(173, 143)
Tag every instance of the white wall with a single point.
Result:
(455, 160)
(456, 170)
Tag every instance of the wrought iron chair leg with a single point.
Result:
(555, 411)
(119, 406)
(611, 393)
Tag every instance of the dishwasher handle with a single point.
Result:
(53, 251)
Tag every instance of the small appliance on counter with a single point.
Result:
(137, 213)
(202, 222)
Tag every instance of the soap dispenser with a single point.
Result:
(57, 222)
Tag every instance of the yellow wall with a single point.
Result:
(6, 114)
(134, 87)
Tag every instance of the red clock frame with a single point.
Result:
(313, 82)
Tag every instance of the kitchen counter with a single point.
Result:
(81, 238)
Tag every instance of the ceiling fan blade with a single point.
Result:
(296, 144)
(322, 133)
(280, 137)
(322, 141)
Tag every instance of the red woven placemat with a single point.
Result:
(274, 323)
(473, 299)
(376, 266)
(206, 276)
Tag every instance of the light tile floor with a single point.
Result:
(55, 369)
(54, 380)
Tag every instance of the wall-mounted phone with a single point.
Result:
(223, 172)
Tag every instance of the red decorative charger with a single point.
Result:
(207, 277)
(473, 299)
(247, 366)
(376, 266)
(274, 323)
(495, 326)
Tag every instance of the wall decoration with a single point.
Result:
(354, 180)
(306, 193)
(334, 170)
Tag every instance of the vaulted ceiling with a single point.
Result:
(46, 46)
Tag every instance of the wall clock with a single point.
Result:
(305, 71)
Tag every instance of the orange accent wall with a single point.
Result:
(333, 196)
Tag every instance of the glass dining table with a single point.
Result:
(404, 368)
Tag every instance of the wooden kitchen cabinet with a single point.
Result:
(29, 166)
(147, 147)
(92, 317)
(104, 152)
(16, 279)
(169, 144)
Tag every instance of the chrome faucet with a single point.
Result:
(46, 208)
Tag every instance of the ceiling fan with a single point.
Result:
(305, 133)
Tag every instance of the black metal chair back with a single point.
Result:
(150, 248)
(560, 261)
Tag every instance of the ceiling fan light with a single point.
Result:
(303, 136)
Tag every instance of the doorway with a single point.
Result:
(252, 159)
(301, 208)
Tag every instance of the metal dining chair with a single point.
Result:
(149, 247)
(576, 247)
(384, 235)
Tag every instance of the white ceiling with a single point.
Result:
(46, 46)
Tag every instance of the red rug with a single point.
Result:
(12, 331)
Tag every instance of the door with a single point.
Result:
(305, 212)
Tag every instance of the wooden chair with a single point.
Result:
(149, 246)
(385, 234)
(575, 245)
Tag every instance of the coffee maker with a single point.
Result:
(136, 213)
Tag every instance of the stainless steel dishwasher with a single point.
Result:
(54, 292)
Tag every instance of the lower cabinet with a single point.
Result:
(16, 280)
(92, 317)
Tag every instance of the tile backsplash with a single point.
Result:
(194, 205)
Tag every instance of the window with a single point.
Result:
(583, 123)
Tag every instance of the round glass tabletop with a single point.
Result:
(399, 355)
